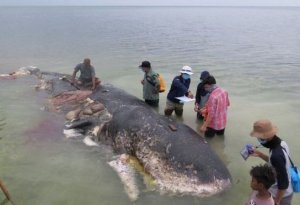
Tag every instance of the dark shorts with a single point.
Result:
(85, 81)
(153, 103)
(210, 132)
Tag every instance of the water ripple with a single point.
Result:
(2, 122)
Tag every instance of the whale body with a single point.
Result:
(178, 158)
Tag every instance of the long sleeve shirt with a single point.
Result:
(179, 88)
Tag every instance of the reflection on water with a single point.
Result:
(217, 143)
(2, 120)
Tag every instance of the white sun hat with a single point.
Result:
(186, 69)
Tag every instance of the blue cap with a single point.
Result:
(204, 75)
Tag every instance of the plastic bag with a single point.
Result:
(246, 151)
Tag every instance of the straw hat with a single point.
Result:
(263, 129)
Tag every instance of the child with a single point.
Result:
(263, 177)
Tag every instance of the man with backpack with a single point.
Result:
(266, 133)
(151, 85)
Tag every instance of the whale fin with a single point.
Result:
(89, 142)
(126, 174)
(73, 133)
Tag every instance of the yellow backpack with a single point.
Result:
(162, 83)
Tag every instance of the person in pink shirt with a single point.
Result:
(215, 109)
(263, 176)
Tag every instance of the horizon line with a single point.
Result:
(60, 5)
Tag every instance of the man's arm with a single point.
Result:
(228, 101)
(261, 155)
(94, 82)
(3, 188)
(73, 76)
(198, 96)
(279, 196)
(206, 122)
(210, 106)
(278, 161)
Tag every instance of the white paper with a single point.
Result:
(185, 99)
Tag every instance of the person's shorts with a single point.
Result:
(173, 106)
(210, 132)
(85, 80)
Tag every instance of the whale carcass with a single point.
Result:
(179, 160)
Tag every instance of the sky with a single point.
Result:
(150, 2)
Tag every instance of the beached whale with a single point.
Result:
(178, 158)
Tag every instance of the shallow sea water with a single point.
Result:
(253, 53)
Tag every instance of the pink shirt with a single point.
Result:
(256, 201)
(217, 105)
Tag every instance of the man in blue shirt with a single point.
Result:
(180, 87)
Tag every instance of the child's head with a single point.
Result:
(263, 176)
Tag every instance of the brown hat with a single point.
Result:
(263, 129)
